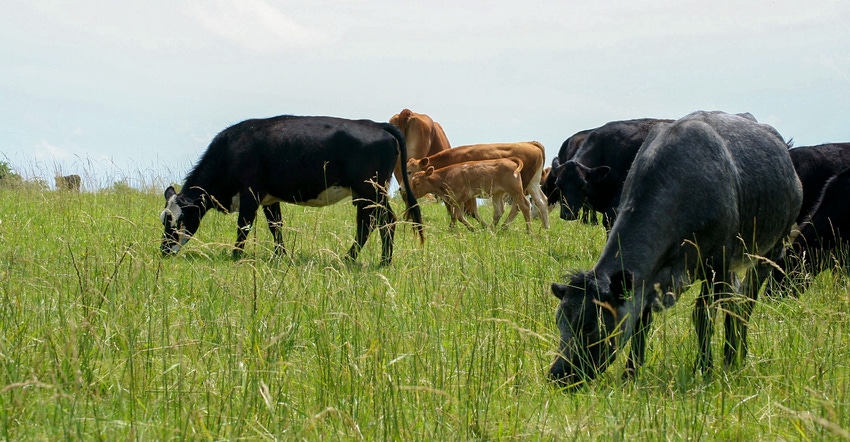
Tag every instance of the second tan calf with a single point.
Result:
(459, 183)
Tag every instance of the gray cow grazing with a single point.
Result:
(708, 197)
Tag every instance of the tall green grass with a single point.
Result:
(101, 338)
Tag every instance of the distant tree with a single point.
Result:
(8, 177)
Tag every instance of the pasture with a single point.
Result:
(102, 338)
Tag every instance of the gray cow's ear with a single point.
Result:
(622, 284)
(559, 290)
(597, 174)
(169, 192)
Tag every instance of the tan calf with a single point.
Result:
(531, 153)
(460, 183)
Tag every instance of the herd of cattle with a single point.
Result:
(710, 197)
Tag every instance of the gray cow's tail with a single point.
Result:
(412, 213)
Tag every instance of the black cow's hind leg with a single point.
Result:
(274, 219)
(738, 314)
(703, 317)
(365, 224)
(386, 227)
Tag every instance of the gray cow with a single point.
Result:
(708, 197)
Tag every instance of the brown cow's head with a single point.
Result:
(589, 322)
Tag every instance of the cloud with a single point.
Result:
(253, 24)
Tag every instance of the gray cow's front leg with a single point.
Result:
(637, 353)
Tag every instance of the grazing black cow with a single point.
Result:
(824, 238)
(814, 165)
(706, 196)
(311, 161)
(596, 173)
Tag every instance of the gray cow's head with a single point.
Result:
(576, 181)
(590, 324)
(181, 218)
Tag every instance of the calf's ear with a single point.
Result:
(429, 171)
(622, 285)
(559, 290)
(169, 192)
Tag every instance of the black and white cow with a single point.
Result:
(595, 174)
(311, 161)
(707, 196)
(824, 238)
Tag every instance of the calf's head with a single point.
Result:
(420, 183)
(590, 325)
(180, 218)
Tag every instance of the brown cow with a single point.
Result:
(423, 136)
(531, 153)
(460, 183)
(68, 182)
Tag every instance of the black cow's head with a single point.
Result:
(181, 218)
(576, 181)
(590, 324)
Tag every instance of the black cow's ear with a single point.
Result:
(598, 174)
(169, 192)
(559, 290)
(622, 284)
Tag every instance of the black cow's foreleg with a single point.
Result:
(703, 317)
(637, 352)
(365, 224)
(248, 206)
(274, 219)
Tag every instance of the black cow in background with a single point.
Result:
(706, 197)
(312, 161)
(815, 165)
(824, 237)
(553, 195)
(596, 172)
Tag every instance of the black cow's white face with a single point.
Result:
(180, 218)
(588, 329)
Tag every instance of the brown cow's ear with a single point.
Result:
(424, 162)
(429, 171)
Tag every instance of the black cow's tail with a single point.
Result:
(412, 213)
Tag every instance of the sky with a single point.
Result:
(134, 91)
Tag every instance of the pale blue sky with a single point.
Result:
(137, 90)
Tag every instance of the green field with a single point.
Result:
(101, 338)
